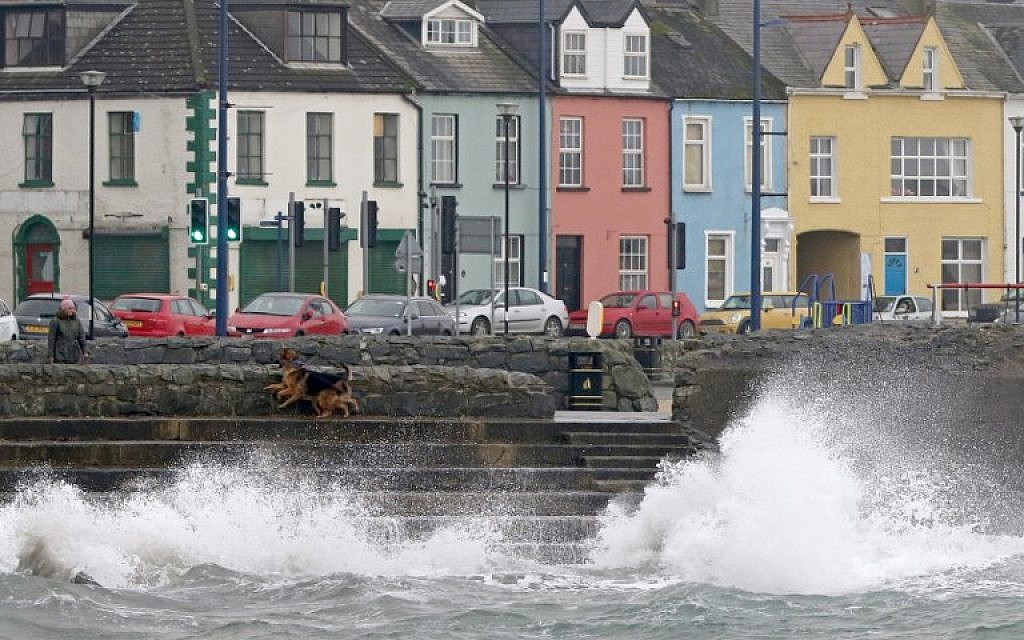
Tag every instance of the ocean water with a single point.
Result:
(820, 517)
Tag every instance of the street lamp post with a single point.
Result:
(507, 111)
(92, 80)
(1017, 122)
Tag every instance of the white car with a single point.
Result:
(529, 311)
(8, 323)
(902, 308)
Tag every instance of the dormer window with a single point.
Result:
(315, 36)
(635, 56)
(930, 69)
(450, 31)
(574, 53)
(851, 67)
(33, 37)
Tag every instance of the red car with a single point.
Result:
(640, 313)
(157, 315)
(284, 315)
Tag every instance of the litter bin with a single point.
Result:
(586, 380)
(647, 351)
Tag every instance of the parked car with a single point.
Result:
(8, 323)
(157, 315)
(902, 308)
(640, 313)
(34, 314)
(529, 311)
(390, 315)
(284, 315)
(778, 311)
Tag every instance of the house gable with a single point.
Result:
(604, 56)
(452, 24)
(947, 72)
(871, 73)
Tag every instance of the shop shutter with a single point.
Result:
(138, 263)
(384, 278)
(259, 269)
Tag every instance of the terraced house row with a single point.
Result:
(888, 154)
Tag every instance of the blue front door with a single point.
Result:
(895, 274)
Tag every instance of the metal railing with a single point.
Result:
(965, 286)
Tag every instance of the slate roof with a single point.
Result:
(692, 58)
(798, 57)
(600, 13)
(487, 68)
(971, 29)
(170, 47)
(409, 9)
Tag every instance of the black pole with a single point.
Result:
(92, 205)
(506, 118)
(755, 181)
(222, 173)
(280, 253)
(542, 176)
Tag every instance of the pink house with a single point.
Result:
(610, 175)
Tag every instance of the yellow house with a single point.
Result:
(895, 165)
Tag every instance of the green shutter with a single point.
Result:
(131, 264)
(259, 269)
(384, 278)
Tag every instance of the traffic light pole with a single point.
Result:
(326, 242)
(291, 241)
(363, 207)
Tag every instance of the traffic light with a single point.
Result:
(448, 204)
(334, 216)
(432, 290)
(677, 252)
(234, 221)
(370, 232)
(676, 309)
(199, 221)
(299, 222)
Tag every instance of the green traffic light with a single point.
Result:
(232, 234)
(197, 235)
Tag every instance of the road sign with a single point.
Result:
(409, 252)
(479, 234)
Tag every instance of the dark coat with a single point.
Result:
(66, 339)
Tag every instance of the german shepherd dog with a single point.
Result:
(327, 392)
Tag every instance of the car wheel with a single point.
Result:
(446, 333)
(553, 327)
(744, 328)
(623, 329)
(299, 334)
(480, 327)
(686, 329)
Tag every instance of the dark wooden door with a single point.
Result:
(568, 251)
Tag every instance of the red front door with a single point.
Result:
(40, 268)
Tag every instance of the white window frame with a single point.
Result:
(916, 167)
(930, 69)
(634, 262)
(973, 296)
(462, 32)
(851, 67)
(444, 170)
(514, 243)
(567, 152)
(766, 153)
(632, 152)
(635, 58)
(513, 150)
(727, 257)
(577, 55)
(824, 182)
(704, 145)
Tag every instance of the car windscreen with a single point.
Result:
(736, 302)
(884, 303)
(42, 308)
(147, 305)
(618, 300)
(475, 296)
(368, 307)
(274, 305)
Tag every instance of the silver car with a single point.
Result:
(528, 311)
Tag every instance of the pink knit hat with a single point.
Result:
(67, 304)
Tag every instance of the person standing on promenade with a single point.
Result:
(66, 338)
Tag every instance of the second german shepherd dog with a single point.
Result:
(326, 391)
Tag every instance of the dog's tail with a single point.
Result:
(345, 378)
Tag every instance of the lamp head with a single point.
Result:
(1017, 122)
(92, 79)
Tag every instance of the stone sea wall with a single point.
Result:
(520, 376)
